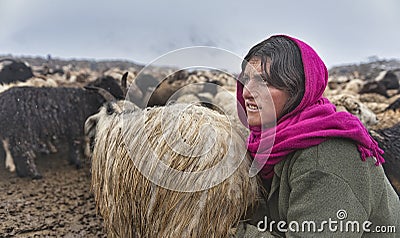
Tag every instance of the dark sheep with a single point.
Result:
(146, 81)
(389, 140)
(375, 87)
(163, 92)
(14, 71)
(394, 106)
(212, 87)
(38, 121)
(108, 83)
(390, 80)
(173, 83)
(46, 70)
(156, 92)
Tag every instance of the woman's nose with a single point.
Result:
(247, 90)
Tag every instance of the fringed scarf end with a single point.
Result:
(376, 153)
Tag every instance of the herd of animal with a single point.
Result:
(44, 110)
(57, 110)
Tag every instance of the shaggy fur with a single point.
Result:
(36, 121)
(42, 120)
(133, 206)
(91, 123)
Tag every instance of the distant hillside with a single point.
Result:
(365, 71)
(95, 65)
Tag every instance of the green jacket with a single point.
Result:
(330, 186)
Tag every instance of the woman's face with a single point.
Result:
(257, 94)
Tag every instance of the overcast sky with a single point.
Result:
(341, 31)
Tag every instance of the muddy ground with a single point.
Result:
(59, 205)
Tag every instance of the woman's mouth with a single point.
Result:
(252, 107)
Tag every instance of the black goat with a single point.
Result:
(375, 87)
(389, 140)
(45, 120)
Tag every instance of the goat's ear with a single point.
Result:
(90, 125)
(123, 82)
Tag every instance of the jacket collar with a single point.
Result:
(276, 179)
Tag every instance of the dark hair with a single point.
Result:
(286, 67)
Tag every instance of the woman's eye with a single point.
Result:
(245, 79)
(261, 79)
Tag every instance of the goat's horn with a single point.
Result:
(104, 93)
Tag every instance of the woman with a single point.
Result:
(321, 168)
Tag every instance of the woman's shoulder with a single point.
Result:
(340, 160)
(334, 171)
(338, 157)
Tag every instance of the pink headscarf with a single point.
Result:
(312, 122)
